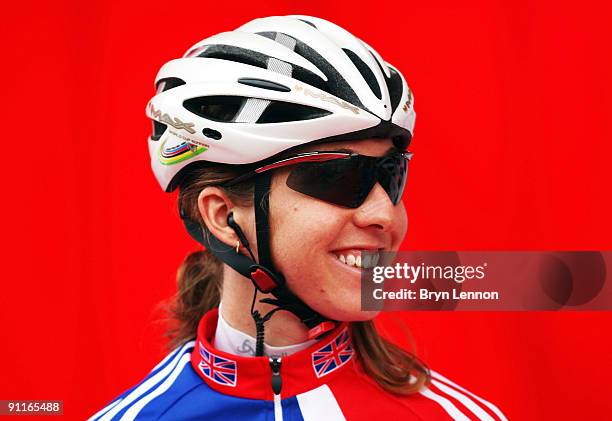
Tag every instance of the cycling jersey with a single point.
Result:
(322, 382)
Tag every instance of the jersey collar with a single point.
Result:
(251, 377)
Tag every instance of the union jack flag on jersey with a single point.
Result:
(218, 369)
(333, 355)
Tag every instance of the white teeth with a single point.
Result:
(367, 261)
(350, 260)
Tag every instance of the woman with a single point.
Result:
(287, 140)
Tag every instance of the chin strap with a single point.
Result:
(262, 273)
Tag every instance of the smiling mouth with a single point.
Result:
(365, 259)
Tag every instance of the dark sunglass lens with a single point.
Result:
(392, 172)
(340, 181)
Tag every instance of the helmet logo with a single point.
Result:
(327, 98)
(174, 122)
(178, 152)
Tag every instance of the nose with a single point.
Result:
(377, 210)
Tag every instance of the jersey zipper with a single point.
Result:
(277, 384)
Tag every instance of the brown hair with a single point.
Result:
(199, 281)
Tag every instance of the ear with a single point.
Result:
(214, 206)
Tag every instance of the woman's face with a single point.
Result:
(308, 236)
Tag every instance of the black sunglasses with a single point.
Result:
(341, 178)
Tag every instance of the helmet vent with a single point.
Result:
(221, 108)
(158, 130)
(281, 112)
(336, 84)
(264, 84)
(168, 83)
(309, 23)
(237, 54)
(394, 84)
(225, 109)
(213, 134)
(380, 65)
(395, 88)
(254, 58)
(365, 71)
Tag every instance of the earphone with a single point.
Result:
(234, 225)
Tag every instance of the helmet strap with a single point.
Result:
(262, 273)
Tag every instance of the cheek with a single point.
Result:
(299, 224)
(303, 230)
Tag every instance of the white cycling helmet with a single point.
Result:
(274, 83)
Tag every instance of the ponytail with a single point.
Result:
(393, 368)
(198, 282)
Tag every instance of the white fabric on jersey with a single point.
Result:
(234, 341)
(471, 405)
(319, 405)
(496, 411)
(448, 406)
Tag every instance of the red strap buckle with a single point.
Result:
(320, 329)
(263, 281)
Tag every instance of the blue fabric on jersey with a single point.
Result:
(188, 398)
(291, 409)
(168, 360)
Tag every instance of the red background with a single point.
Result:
(512, 152)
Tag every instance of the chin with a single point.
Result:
(362, 316)
(326, 297)
(346, 314)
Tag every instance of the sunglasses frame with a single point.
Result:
(315, 156)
